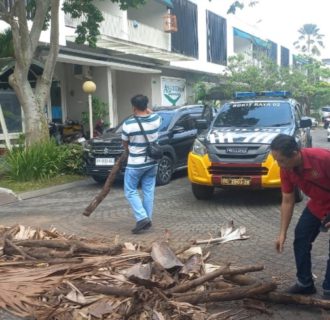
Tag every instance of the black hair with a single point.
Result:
(285, 144)
(140, 102)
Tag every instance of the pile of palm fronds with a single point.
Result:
(48, 275)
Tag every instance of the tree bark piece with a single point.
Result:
(194, 283)
(212, 275)
(227, 295)
(50, 249)
(8, 246)
(106, 188)
(285, 298)
(107, 290)
(73, 245)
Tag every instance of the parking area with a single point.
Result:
(181, 218)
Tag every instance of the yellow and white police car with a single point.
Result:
(234, 152)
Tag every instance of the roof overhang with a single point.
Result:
(167, 3)
(7, 66)
(123, 47)
(66, 58)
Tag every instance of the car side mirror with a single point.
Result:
(305, 122)
(178, 129)
(201, 124)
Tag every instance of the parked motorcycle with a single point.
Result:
(56, 131)
(69, 132)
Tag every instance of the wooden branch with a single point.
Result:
(286, 298)
(38, 262)
(106, 188)
(9, 245)
(212, 275)
(195, 283)
(240, 279)
(107, 290)
(227, 295)
(75, 246)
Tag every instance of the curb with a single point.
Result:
(7, 196)
(53, 189)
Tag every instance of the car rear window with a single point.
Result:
(254, 114)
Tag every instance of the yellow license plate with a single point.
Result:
(235, 181)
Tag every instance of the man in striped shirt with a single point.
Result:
(140, 168)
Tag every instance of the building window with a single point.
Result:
(185, 40)
(284, 57)
(11, 109)
(216, 38)
(272, 51)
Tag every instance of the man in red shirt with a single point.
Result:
(309, 170)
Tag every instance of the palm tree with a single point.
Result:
(310, 40)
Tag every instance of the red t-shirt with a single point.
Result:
(316, 169)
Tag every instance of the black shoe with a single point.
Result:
(297, 289)
(148, 226)
(140, 225)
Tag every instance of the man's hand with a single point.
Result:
(280, 243)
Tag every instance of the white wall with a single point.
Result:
(129, 84)
(150, 14)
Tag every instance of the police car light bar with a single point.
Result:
(283, 94)
(242, 95)
(245, 95)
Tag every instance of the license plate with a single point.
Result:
(235, 181)
(104, 161)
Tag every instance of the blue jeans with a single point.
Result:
(142, 208)
(307, 229)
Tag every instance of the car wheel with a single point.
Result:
(202, 192)
(99, 179)
(298, 195)
(165, 171)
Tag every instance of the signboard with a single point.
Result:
(173, 91)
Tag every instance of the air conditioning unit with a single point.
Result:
(82, 72)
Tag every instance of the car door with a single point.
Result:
(302, 134)
(183, 134)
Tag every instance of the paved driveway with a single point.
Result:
(184, 218)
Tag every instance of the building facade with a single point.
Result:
(139, 51)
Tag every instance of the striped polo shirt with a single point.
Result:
(137, 143)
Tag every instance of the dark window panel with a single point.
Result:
(216, 38)
(185, 40)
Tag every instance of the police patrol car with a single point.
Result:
(235, 151)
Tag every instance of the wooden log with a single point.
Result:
(107, 290)
(227, 295)
(107, 185)
(240, 279)
(196, 282)
(9, 246)
(286, 298)
(75, 246)
(212, 275)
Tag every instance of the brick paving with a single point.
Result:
(178, 213)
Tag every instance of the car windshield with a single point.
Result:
(254, 114)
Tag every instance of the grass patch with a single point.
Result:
(19, 187)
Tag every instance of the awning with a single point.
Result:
(66, 58)
(257, 41)
(130, 48)
(167, 3)
(7, 66)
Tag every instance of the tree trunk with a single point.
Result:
(26, 41)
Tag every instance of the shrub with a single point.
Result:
(43, 161)
(73, 162)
